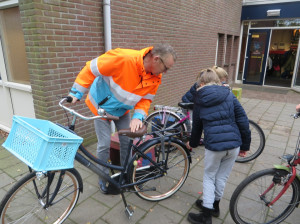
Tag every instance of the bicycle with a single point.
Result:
(169, 118)
(156, 171)
(270, 195)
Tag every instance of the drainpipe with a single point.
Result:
(107, 24)
(107, 38)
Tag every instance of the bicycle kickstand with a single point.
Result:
(128, 208)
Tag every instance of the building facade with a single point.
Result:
(269, 53)
(45, 43)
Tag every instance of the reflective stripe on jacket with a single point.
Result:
(118, 83)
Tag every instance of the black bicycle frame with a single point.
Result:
(87, 163)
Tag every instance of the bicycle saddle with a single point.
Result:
(138, 133)
(186, 105)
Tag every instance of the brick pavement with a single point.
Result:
(271, 110)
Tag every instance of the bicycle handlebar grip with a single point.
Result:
(69, 99)
(110, 117)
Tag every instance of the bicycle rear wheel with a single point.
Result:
(23, 205)
(160, 187)
(257, 145)
(160, 120)
(248, 206)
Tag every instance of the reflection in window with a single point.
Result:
(12, 38)
(276, 23)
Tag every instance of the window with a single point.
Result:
(12, 39)
(228, 50)
(220, 50)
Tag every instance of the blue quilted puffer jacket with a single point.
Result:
(188, 97)
(224, 120)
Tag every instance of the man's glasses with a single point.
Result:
(166, 68)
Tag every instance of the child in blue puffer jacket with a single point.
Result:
(226, 132)
(188, 97)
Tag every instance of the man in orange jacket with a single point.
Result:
(118, 81)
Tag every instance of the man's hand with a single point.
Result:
(135, 124)
(74, 98)
(242, 153)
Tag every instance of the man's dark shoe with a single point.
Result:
(215, 211)
(102, 187)
(203, 217)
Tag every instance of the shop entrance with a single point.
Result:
(282, 57)
(271, 57)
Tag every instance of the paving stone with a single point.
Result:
(179, 203)
(5, 180)
(197, 172)
(117, 215)
(143, 204)
(236, 177)
(192, 186)
(17, 170)
(4, 153)
(2, 193)
(159, 213)
(88, 211)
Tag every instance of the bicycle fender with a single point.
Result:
(282, 167)
(179, 142)
(77, 174)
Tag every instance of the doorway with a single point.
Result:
(282, 57)
(257, 52)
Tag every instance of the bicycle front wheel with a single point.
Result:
(257, 145)
(161, 185)
(248, 202)
(25, 202)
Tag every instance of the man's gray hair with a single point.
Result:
(163, 50)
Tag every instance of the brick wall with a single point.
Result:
(60, 36)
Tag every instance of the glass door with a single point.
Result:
(257, 52)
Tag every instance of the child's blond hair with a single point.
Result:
(208, 77)
(223, 75)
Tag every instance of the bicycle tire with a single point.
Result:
(159, 188)
(155, 122)
(246, 205)
(21, 203)
(257, 145)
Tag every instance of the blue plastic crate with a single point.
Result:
(41, 144)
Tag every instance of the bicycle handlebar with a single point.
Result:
(102, 112)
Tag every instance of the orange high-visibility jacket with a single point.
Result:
(118, 82)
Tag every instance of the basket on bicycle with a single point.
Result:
(41, 144)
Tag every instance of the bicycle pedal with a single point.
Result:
(129, 211)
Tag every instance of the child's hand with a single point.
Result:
(188, 146)
(298, 108)
(242, 153)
